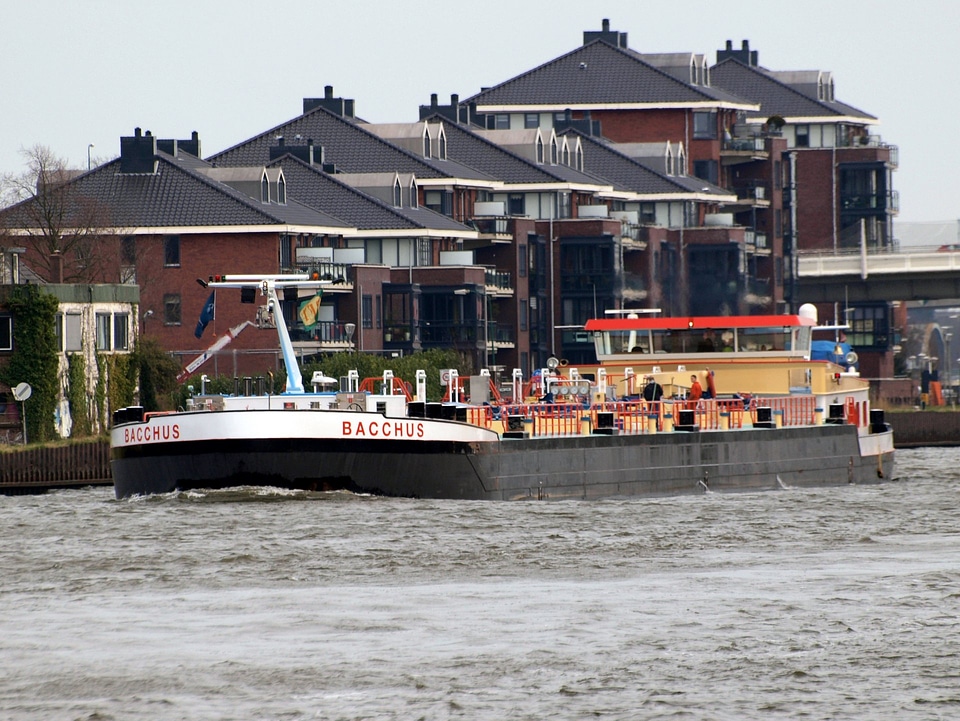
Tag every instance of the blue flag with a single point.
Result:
(206, 315)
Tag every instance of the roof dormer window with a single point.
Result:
(414, 200)
(442, 144)
(694, 69)
(566, 155)
(281, 190)
(580, 159)
(554, 152)
(705, 74)
(397, 194)
(540, 150)
(264, 188)
(426, 145)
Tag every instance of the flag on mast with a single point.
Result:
(309, 310)
(206, 315)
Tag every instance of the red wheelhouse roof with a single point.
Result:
(716, 322)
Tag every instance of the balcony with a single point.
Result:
(340, 275)
(888, 202)
(738, 150)
(756, 243)
(498, 284)
(754, 194)
(496, 229)
(326, 335)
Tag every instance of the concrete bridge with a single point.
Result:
(854, 275)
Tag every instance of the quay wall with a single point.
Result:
(912, 429)
(44, 468)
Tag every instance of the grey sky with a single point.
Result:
(77, 73)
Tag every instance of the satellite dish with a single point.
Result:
(552, 362)
(22, 391)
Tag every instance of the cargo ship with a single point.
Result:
(672, 406)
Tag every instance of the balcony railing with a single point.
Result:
(498, 225)
(498, 279)
(340, 274)
(873, 201)
(751, 144)
(324, 332)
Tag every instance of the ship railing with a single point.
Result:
(641, 417)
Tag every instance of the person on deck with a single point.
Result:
(696, 390)
(652, 391)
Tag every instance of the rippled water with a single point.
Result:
(834, 603)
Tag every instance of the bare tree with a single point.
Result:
(58, 219)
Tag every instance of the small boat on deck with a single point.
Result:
(766, 416)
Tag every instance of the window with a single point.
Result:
(706, 170)
(73, 335)
(426, 145)
(171, 250)
(128, 250)
(58, 330)
(414, 201)
(281, 191)
(6, 333)
(705, 125)
(443, 147)
(870, 328)
(648, 213)
(264, 189)
(564, 208)
(171, 309)
(524, 314)
(580, 159)
(531, 120)
(501, 121)
(802, 136)
(566, 155)
(540, 150)
(516, 204)
(554, 153)
(103, 332)
(439, 201)
(522, 260)
(367, 312)
(121, 332)
(397, 194)
(379, 307)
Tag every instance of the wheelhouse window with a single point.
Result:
(171, 250)
(6, 333)
(171, 309)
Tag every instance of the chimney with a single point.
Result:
(450, 112)
(610, 37)
(138, 154)
(56, 266)
(744, 55)
(344, 107)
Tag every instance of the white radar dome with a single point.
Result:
(808, 310)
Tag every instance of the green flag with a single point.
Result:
(309, 310)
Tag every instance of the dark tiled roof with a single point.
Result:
(601, 158)
(363, 211)
(346, 144)
(177, 195)
(597, 74)
(776, 97)
(470, 148)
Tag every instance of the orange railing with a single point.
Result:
(639, 417)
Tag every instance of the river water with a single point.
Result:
(837, 603)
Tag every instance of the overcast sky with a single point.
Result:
(76, 73)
